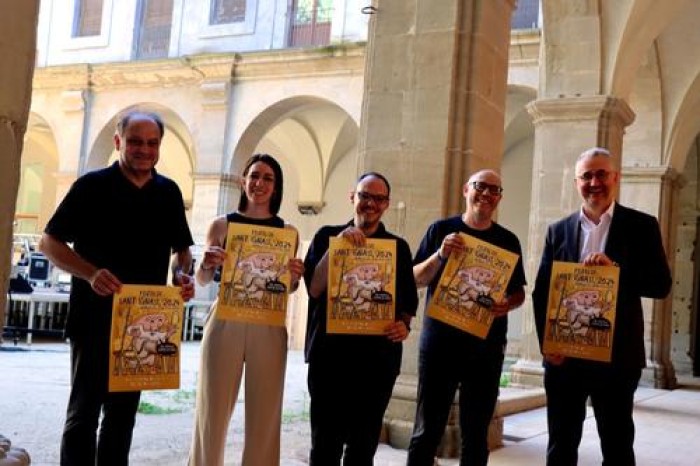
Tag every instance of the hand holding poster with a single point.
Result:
(145, 338)
(471, 282)
(255, 280)
(361, 286)
(581, 311)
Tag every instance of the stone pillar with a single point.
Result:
(72, 141)
(655, 190)
(212, 182)
(17, 51)
(434, 102)
(564, 127)
(212, 194)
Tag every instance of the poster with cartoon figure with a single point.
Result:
(581, 311)
(469, 285)
(145, 338)
(361, 286)
(255, 281)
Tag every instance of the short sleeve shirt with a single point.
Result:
(116, 225)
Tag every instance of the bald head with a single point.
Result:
(483, 193)
(486, 175)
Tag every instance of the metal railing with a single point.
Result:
(310, 27)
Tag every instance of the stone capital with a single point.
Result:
(216, 177)
(599, 107)
(653, 174)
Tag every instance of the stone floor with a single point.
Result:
(34, 388)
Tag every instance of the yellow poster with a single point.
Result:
(255, 281)
(145, 338)
(361, 286)
(470, 283)
(581, 311)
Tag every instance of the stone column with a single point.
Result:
(17, 51)
(655, 190)
(212, 183)
(434, 101)
(212, 194)
(564, 127)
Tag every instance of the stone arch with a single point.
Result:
(177, 157)
(632, 30)
(36, 196)
(685, 127)
(315, 141)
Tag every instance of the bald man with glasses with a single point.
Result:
(351, 377)
(602, 232)
(449, 358)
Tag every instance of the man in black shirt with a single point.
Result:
(124, 222)
(351, 377)
(450, 358)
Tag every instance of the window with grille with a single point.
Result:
(153, 29)
(87, 20)
(310, 22)
(227, 11)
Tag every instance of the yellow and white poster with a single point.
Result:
(581, 311)
(361, 286)
(145, 338)
(470, 283)
(255, 280)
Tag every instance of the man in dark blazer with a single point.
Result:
(603, 232)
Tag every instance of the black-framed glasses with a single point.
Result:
(482, 187)
(600, 175)
(377, 198)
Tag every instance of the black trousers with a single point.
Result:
(348, 400)
(476, 373)
(80, 445)
(612, 396)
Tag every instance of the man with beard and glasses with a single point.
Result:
(449, 358)
(124, 222)
(351, 377)
(602, 232)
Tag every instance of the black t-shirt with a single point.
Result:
(130, 231)
(498, 236)
(319, 344)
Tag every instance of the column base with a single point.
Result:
(527, 372)
(400, 416)
(659, 375)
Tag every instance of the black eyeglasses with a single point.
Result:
(482, 187)
(377, 198)
(600, 175)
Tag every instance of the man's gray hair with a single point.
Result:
(594, 152)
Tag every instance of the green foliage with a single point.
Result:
(166, 401)
(149, 408)
(292, 417)
(505, 380)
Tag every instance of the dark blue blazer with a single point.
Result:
(634, 242)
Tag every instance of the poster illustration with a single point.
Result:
(145, 338)
(470, 283)
(361, 286)
(581, 311)
(255, 280)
